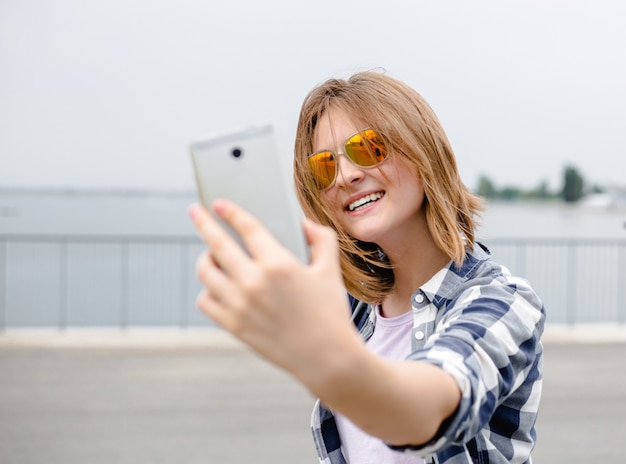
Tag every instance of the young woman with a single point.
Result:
(446, 363)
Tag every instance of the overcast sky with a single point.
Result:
(109, 93)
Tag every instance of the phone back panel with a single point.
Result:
(245, 167)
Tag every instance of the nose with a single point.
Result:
(348, 173)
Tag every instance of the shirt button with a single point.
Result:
(419, 335)
(419, 298)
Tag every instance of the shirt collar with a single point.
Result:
(444, 284)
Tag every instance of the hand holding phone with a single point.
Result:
(244, 166)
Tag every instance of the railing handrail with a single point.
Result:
(50, 237)
(190, 237)
(555, 240)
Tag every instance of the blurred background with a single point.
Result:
(99, 101)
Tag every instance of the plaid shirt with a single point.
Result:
(483, 326)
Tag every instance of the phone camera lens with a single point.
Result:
(237, 152)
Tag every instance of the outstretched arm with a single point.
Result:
(296, 316)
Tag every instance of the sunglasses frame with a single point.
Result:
(336, 155)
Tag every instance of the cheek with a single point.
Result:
(331, 204)
(406, 174)
(402, 173)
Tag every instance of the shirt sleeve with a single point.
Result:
(488, 338)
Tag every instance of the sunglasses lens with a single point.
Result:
(366, 148)
(323, 167)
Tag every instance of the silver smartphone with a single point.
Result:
(244, 166)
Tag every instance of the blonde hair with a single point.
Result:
(410, 129)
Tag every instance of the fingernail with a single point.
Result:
(193, 211)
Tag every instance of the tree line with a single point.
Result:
(572, 190)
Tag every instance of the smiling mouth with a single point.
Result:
(365, 201)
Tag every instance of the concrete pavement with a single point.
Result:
(187, 403)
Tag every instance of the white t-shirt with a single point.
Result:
(391, 340)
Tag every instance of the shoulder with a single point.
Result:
(486, 290)
(482, 276)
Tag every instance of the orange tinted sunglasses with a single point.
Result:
(364, 149)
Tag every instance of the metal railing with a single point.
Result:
(115, 281)
(579, 280)
(109, 281)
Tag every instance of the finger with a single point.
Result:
(208, 228)
(213, 309)
(218, 285)
(227, 253)
(323, 243)
(213, 299)
(258, 239)
(207, 270)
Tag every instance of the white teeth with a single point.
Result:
(365, 200)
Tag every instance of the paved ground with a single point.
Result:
(186, 405)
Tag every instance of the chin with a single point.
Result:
(367, 236)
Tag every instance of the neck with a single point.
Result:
(413, 266)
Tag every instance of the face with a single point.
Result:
(381, 204)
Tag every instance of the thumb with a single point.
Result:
(323, 242)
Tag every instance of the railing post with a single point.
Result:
(621, 277)
(520, 257)
(184, 278)
(570, 299)
(4, 298)
(124, 285)
(63, 284)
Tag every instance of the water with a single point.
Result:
(117, 213)
(165, 214)
(550, 220)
